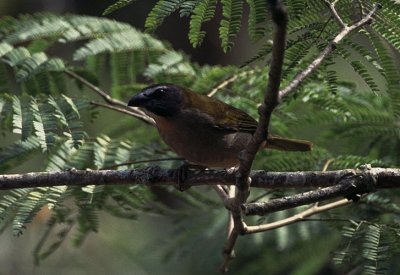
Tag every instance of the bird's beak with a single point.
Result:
(138, 100)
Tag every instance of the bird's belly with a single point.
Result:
(205, 146)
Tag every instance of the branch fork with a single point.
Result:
(272, 98)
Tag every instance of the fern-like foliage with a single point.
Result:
(162, 9)
(375, 246)
(257, 19)
(349, 108)
(46, 120)
(230, 24)
(116, 6)
(203, 12)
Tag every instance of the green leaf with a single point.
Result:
(257, 16)
(230, 24)
(203, 12)
(160, 11)
(117, 5)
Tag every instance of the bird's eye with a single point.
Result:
(160, 92)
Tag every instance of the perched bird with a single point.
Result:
(204, 130)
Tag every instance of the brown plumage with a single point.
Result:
(204, 130)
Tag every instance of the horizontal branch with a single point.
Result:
(350, 186)
(382, 177)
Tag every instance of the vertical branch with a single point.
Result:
(271, 100)
(279, 16)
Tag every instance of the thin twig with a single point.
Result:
(133, 111)
(228, 251)
(221, 193)
(296, 218)
(123, 111)
(228, 81)
(327, 163)
(295, 83)
(231, 194)
(96, 89)
(335, 15)
(324, 169)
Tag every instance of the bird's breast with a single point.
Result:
(197, 141)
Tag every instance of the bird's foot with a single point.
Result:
(181, 175)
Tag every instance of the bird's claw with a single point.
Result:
(181, 175)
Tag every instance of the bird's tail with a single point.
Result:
(286, 144)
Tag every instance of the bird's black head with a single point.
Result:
(160, 99)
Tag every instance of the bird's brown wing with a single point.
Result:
(221, 115)
(230, 119)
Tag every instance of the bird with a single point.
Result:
(203, 130)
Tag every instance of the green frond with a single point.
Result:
(126, 71)
(31, 68)
(187, 7)
(58, 161)
(203, 12)
(296, 8)
(331, 81)
(117, 42)
(387, 22)
(16, 56)
(170, 67)
(37, 63)
(47, 119)
(117, 5)
(390, 72)
(17, 115)
(352, 233)
(44, 125)
(32, 204)
(367, 53)
(296, 52)
(160, 11)
(257, 17)
(55, 28)
(5, 48)
(360, 68)
(20, 206)
(371, 251)
(100, 151)
(67, 112)
(9, 205)
(230, 23)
